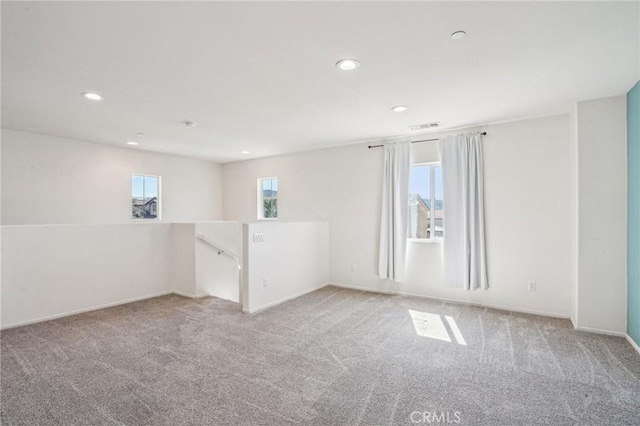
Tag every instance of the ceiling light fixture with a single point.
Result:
(347, 64)
(132, 143)
(458, 35)
(399, 108)
(245, 152)
(92, 96)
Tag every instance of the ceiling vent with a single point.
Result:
(426, 126)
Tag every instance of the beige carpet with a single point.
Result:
(333, 357)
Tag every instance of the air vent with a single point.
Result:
(426, 126)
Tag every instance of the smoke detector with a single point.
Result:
(426, 126)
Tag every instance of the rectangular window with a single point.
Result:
(426, 206)
(268, 198)
(145, 197)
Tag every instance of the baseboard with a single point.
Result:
(597, 330)
(501, 308)
(634, 344)
(190, 296)
(81, 311)
(355, 287)
(286, 299)
(600, 331)
(461, 302)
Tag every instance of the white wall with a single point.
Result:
(602, 214)
(56, 270)
(527, 180)
(48, 271)
(49, 180)
(293, 258)
(575, 234)
(218, 275)
(183, 258)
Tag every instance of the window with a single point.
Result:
(268, 198)
(145, 197)
(426, 218)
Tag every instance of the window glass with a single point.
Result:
(268, 198)
(439, 204)
(426, 205)
(145, 197)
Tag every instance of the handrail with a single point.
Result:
(218, 247)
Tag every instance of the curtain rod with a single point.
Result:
(424, 140)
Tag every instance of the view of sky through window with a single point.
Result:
(426, 211)
(145, 197)
(268, 206)
(420, 181)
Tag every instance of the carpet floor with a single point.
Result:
(332, 357)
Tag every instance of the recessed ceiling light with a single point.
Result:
(132, 143)
(399, 108)
(245, 152)
(92, 96)
(347, 64)
(458, 35)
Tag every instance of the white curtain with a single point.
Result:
(464, 257)
(393, 214)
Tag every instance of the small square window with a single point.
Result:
(145, 197)
(268, 198)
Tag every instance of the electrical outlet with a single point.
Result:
(352, 268)
(532, 286)
(258, 238)
(265, 282)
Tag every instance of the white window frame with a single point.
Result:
(432, 200)
(260, 209)
(159, 204)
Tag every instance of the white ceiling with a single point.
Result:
(261, 76)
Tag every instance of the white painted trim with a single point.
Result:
(286, 299)
(190, 296)
(355, 287)
(573, 323)
(596, 330)
(461, 302)
(80, 311)
(634, 344)
(600, 331)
